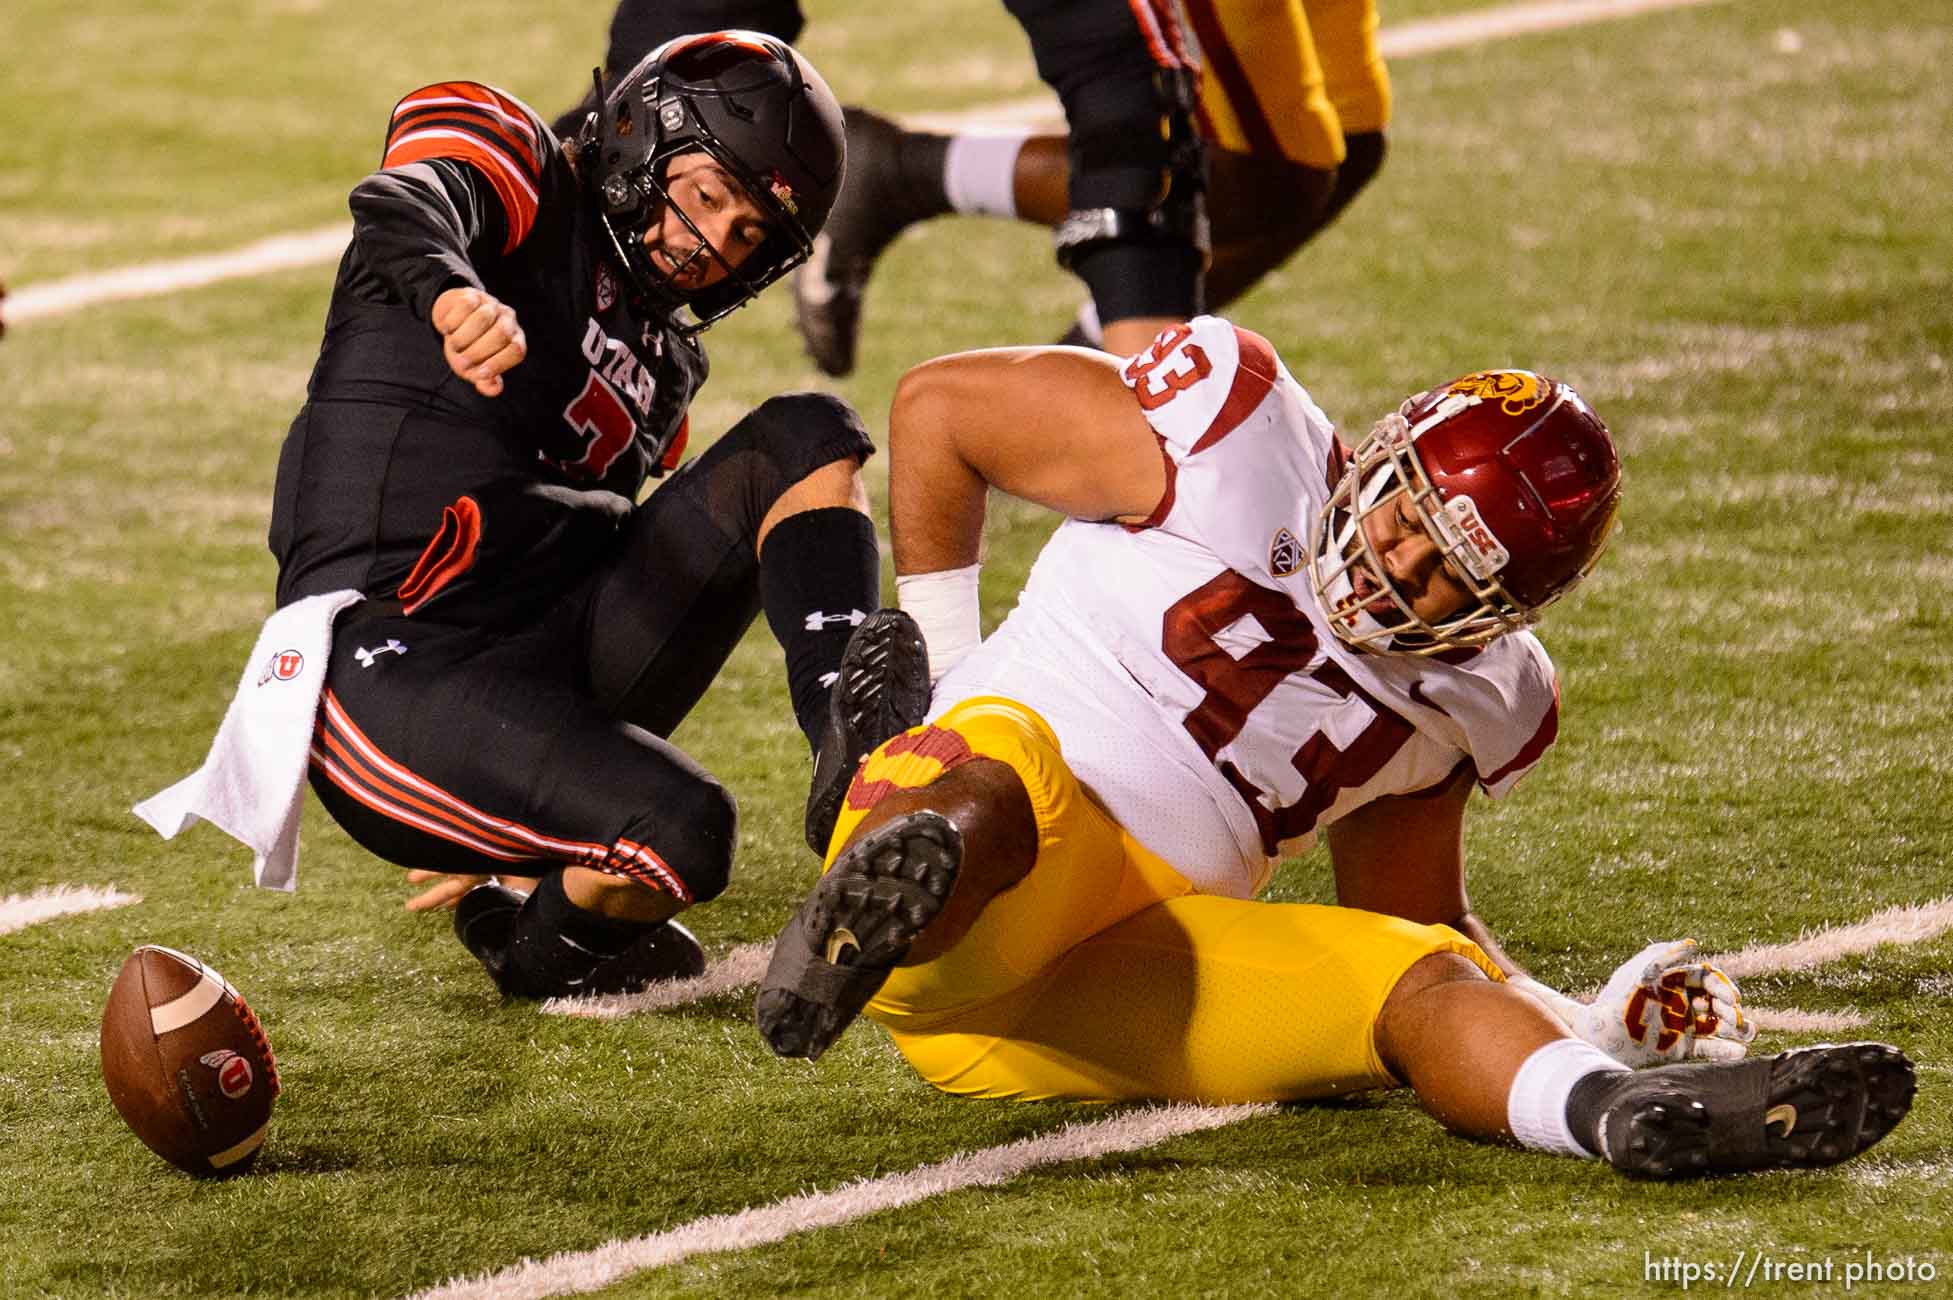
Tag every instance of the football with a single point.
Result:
(187, 1064)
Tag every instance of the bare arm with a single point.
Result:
(1405, 856)
(1054, 426)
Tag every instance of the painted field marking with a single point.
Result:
(325, 244)
(739, 969)
(1789, 1020)
(591, 1270)
(18, 911)
(148, 279)
(1910, 923)
(1905, 924)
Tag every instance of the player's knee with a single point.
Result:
(785, 423)
(789, 436)
(1257, 197)
(1137, 229)
(778, 444)
(1434, 969)
(692, 832)
(1361, 162)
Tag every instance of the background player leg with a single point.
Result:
(1132, 151)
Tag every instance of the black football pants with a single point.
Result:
(460, 746)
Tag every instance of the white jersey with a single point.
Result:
(1186, 666)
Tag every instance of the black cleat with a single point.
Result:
(882, 690)
(837, 951)
(483, 921)
(1805, 1108)
(666, 951)
(874, 206)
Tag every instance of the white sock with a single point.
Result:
(979, 172)
(1535, 1109)
(944, 606)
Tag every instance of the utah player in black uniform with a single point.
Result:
(510, 352)
(1128, 179)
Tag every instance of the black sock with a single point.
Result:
(554, 944)
(922, 159)
(820, 576)
(1584, 1105)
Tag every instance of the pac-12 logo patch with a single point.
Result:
(233, 1072)
(282, 666)
(1284, 554)
(606, 288)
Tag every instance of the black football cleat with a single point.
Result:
(666, 951)
(874, 206)
(1805, 1108)
(483, 921)
(882, 690)
(861, 919)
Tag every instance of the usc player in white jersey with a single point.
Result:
(1243, 635)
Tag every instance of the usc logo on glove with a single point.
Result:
(1677, 1015)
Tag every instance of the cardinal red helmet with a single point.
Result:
(761, 111)
(1514, 478)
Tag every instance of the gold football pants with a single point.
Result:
(1102, 975)
(1289, 77)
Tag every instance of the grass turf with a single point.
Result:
(1725, 224)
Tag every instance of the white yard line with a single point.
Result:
(313, 247)
(591, 1270)
(1905, 924)
(1912, 923)
(147, 280)
(1789, 1020)
(741, 968)
(18, 911)
(1408, 40)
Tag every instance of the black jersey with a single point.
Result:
(397, 477)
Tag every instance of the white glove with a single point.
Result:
(1664, 1004)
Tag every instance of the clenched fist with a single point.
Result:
(480, 337)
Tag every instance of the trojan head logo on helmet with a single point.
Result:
(763, 114)
(1512, 478)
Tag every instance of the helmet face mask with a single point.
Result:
(1515, 482)
(761, 113)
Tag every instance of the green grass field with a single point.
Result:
(1728, 225)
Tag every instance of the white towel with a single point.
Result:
(252, 783)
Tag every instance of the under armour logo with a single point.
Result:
(366, 657)
(817, 620)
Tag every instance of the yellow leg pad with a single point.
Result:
(1194, 998)
(1263, 85)
(1358, 85)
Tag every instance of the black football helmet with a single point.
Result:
(761, 111)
